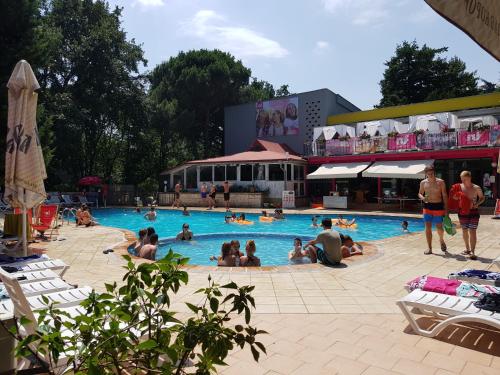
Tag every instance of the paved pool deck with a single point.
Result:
(325, 320)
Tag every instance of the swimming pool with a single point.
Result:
(272, 250)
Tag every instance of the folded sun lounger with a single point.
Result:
(56, 265)
(452, 309)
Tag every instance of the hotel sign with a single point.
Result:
(480, 19)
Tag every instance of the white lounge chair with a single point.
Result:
(28, 266)
(67, 201)
(20, 305)
(452, 309)
(29, 277)
(54, 199)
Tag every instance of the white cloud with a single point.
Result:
(321, 47)
(212, 28)
(362, 12)
(149, 3)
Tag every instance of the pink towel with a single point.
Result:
(439, 285)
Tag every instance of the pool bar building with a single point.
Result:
(334, 155)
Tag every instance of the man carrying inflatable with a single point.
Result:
(433, 193)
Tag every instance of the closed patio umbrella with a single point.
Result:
(24, 165)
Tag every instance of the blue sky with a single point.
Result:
(336, 44)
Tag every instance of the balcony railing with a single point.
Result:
(404, 142)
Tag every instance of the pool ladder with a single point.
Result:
(67, 213)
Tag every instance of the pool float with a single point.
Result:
(244, 222)
(266, 219)
(352, 226)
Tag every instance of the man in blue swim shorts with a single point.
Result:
(331, 252)
(433, 193)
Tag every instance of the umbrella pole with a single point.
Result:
(25, 234)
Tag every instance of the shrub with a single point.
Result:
(131, 329)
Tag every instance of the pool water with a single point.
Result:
(272, 246)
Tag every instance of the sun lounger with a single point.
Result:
(67, 201)
(452, 309)
(83, 200)
(26, 266)
(43, 287)
(29, 277)
(54, 199)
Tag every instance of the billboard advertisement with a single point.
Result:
(277, 117)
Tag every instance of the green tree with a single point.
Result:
(418, 74)
(191, 91)
(257, 90)
(92, 88)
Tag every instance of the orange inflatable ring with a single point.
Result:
(266, 219)
(244, 222)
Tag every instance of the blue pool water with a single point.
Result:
(272, 250)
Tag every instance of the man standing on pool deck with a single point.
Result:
(177, 200)
(433, 193)
(331, 253)
(226, 194)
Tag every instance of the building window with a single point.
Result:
(276, 173)
(231, 174)
(220, 173)
(246, 172)
(206, 173)
(298, 171)
(191, 182)
(259, 172)
(288, 172)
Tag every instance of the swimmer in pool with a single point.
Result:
(404, 226)
(344, 222)
(298, 255)
(314, 220)
(350, 248)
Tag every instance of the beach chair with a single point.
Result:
(4, 206)
(45, 221)
(36, 287)
(53, 199)
(56, 265)
(20, 305)
(83, 200)
(67, 201)
(29, 277)
(454, 310)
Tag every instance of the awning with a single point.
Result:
(341, 170)
(398, 169)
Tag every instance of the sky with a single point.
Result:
(308, 44)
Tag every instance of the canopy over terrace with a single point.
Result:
(413, 169)
(341, 170)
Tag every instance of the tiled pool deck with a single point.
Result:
(326, 320)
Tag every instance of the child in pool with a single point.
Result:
(404, 226)
(242, 217)
(235, 248)
(226, 259)
(314, 220)
(298, 254)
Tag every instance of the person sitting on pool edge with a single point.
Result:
(185, 234)
(226, 259)
(250, 260)
(149, 251)
(298, 255)
(330, 254)
(349, 247)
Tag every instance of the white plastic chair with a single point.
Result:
(451, 308)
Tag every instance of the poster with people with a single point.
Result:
(277, 117)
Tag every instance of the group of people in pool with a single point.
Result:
(147, 244)
(340, 222)
(231, 256)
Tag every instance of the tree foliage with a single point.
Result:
(132, 326)
(418, 74)
(99, 112)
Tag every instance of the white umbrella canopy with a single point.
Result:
(24, 165)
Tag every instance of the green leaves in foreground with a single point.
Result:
(132, 327)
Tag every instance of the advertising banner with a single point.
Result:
(406, 141)
(480, 19)
(476, 138)
(495, 135)
(436, 141)
(370, 146)
(339, 147)
(277, 117)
